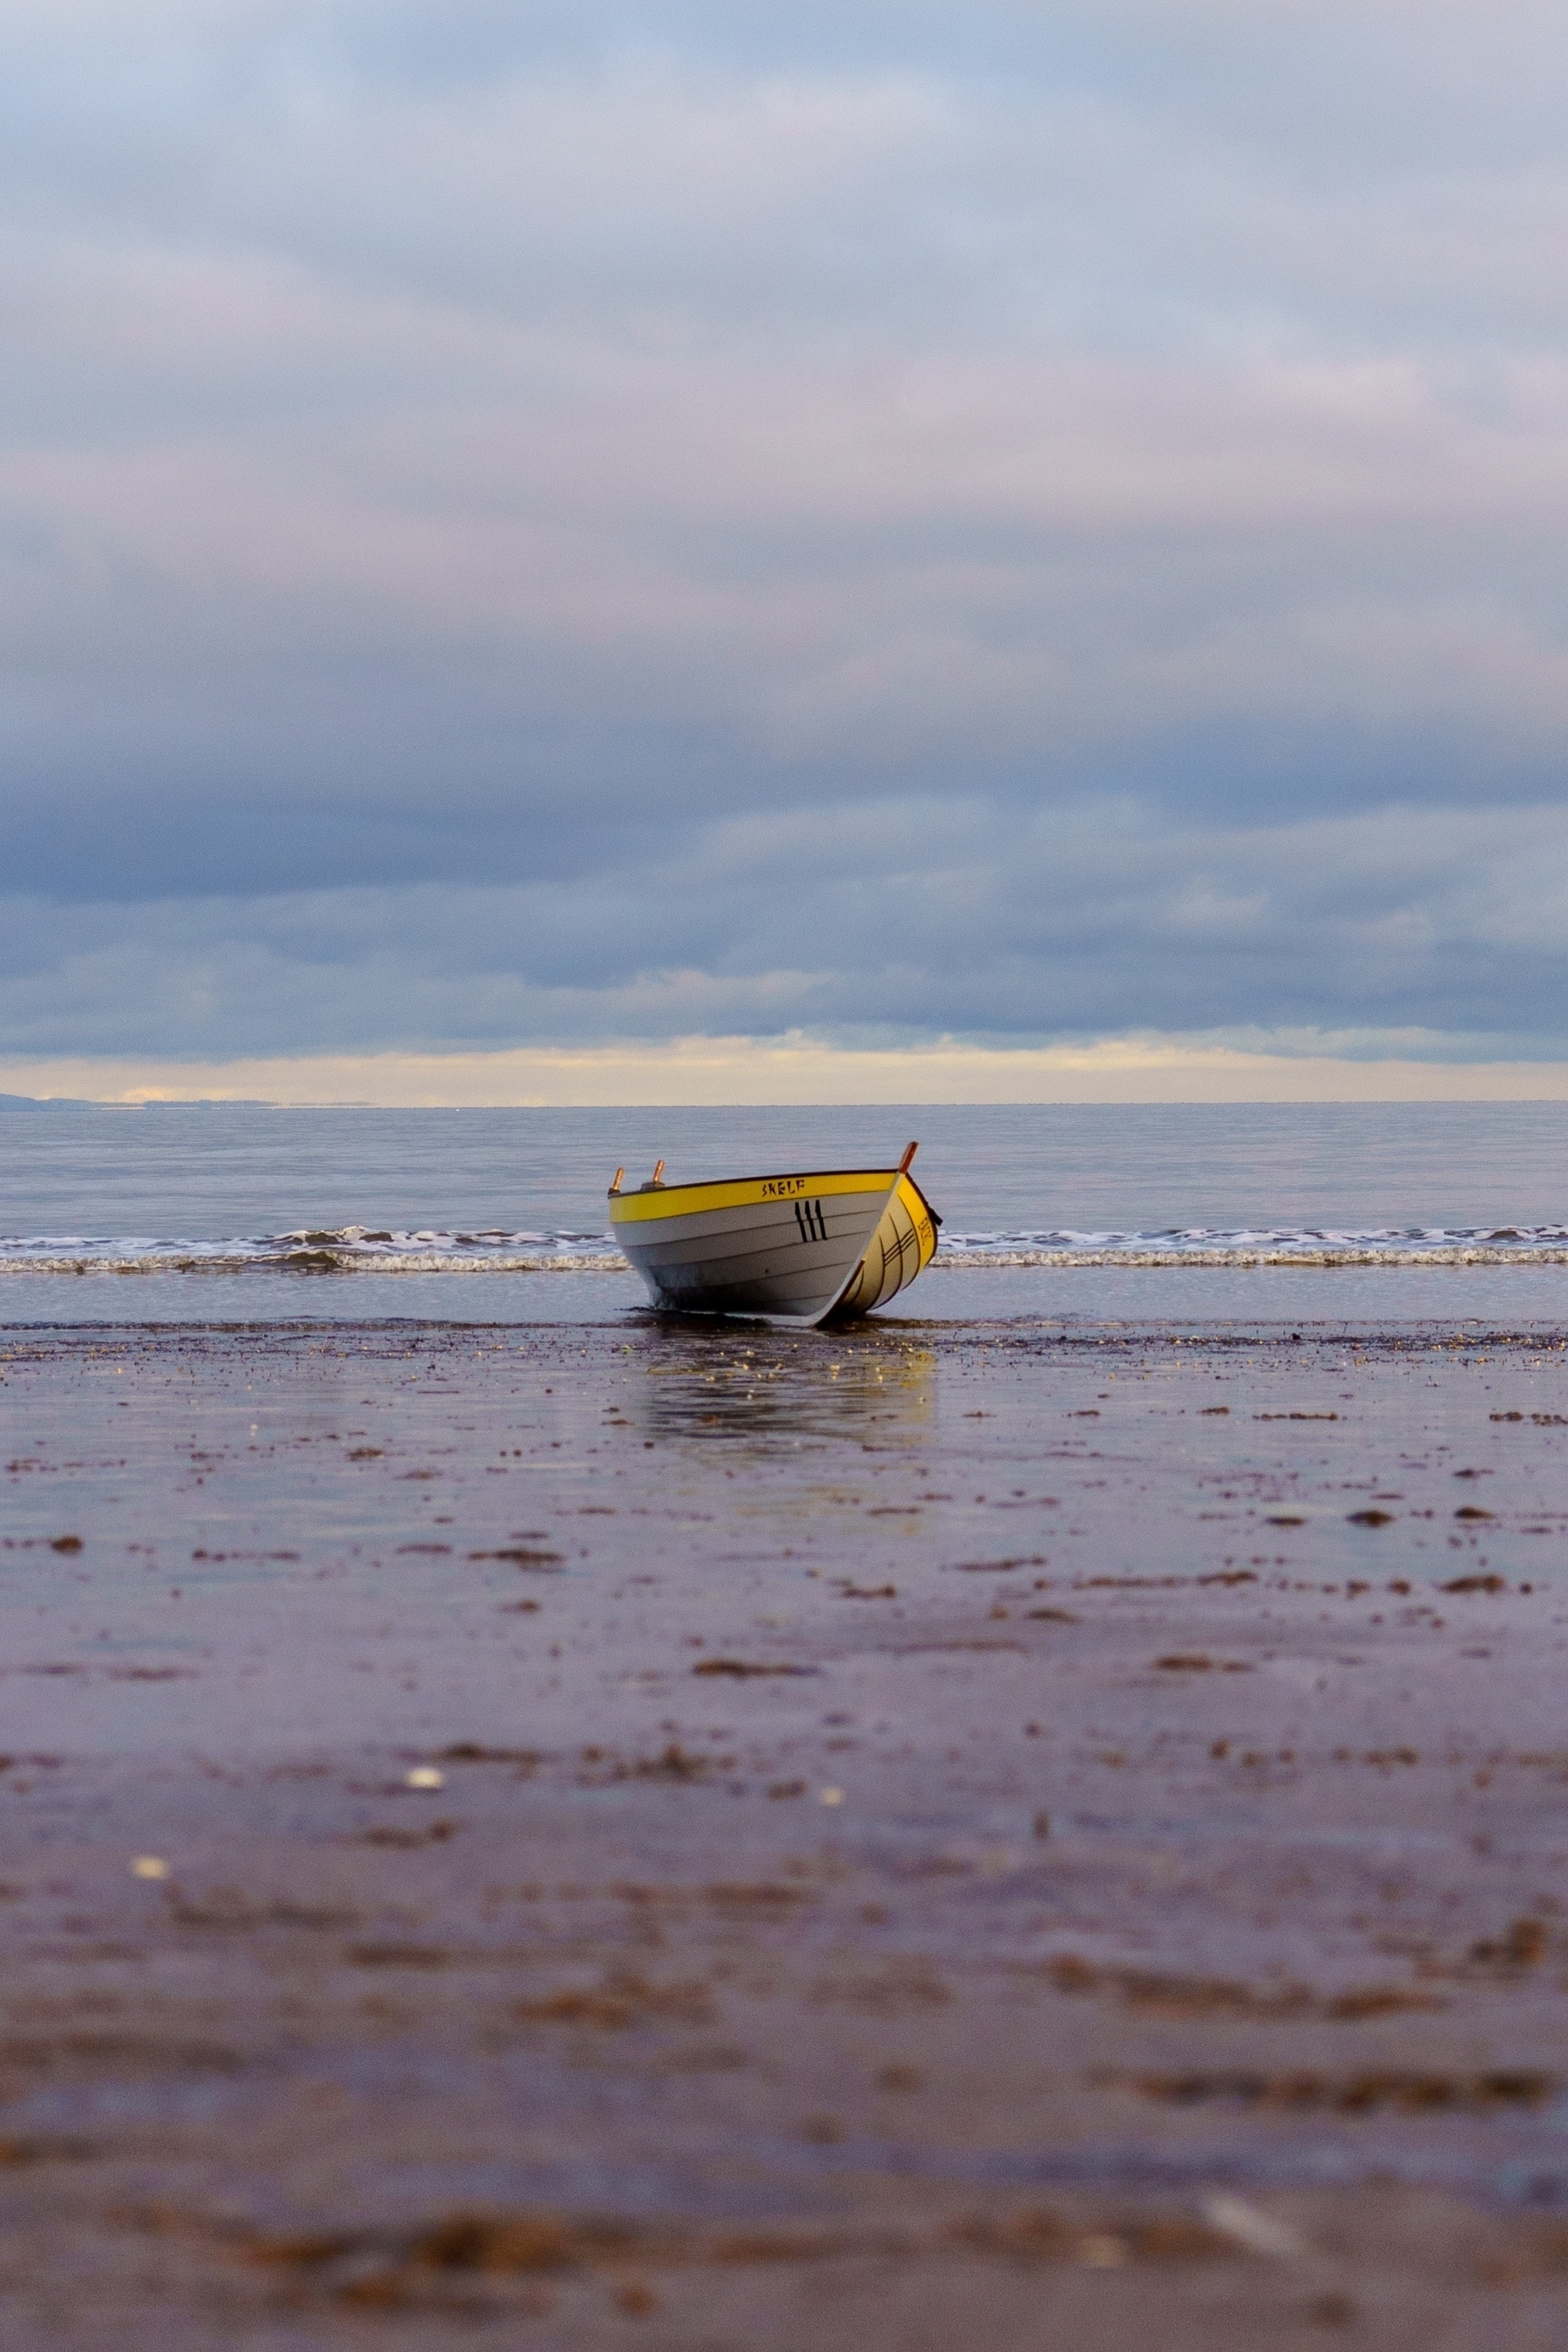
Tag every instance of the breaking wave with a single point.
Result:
(347, 1249)
(1277, 1245)
(358, 1249)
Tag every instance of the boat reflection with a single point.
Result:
(766, 1387)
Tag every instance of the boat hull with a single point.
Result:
(805, 1247)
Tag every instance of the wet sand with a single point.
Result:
(950, 1834)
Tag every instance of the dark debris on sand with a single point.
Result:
(1112, 1933)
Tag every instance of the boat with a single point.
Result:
(815, 1247)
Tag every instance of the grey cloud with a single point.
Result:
(886, 921)
(539, 521)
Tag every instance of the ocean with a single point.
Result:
(1258, 1211)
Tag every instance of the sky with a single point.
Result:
(1007, 539)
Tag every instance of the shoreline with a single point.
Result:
(1391, 1295)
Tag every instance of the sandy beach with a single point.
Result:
(954, 1833)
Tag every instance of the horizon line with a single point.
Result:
(799, 1072)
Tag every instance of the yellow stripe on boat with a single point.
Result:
(751, 1192)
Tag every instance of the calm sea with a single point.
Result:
(207, 1212)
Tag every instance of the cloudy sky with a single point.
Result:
(585, 524)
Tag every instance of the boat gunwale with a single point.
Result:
(644, 1202)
